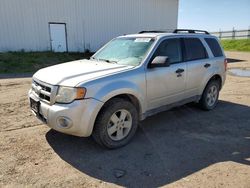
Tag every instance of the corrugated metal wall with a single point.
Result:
(24, 24)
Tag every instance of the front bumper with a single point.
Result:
(81, 113)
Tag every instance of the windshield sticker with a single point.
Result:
(142, 40)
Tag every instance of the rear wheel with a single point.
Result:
(210, 95)
(116, 124)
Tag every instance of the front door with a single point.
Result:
(58, 37)
(166, 85)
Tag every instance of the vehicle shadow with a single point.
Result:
(231, 60)
(167, 147)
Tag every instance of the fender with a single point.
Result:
(114, 89)
(216, 71)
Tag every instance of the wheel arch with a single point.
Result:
(125, 96)
(216, 77)
(213, 77)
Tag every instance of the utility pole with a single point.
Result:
(220, 34)
(233, 33)
(248, 36)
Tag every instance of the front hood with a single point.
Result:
(75, 72)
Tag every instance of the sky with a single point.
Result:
(213, 15)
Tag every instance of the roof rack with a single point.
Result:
(190, 31)
(141, 32)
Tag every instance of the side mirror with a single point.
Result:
(160, 61)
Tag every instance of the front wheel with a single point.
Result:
(210, 95)
(116, 124)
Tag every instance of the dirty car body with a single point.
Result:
(70, 96)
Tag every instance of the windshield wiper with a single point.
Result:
(93, 58)
(108, 61)
(105, 60)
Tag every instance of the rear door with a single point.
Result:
(217, 53)
(198, 64)
(164, 84)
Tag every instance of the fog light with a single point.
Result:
(64, 122)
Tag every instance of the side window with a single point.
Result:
(194, 49)
(170, 48)
(214, 46)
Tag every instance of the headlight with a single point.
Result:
(69, 94)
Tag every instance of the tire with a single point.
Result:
(210, 95)
(116, 124)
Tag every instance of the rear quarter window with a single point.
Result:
(214, 46)
(194, 49)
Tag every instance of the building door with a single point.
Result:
(58, 37)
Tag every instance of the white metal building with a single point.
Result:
(77, 25)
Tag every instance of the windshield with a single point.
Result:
(125, 51)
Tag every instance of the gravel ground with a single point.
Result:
(183, 147)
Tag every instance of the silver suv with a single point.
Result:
(129, 79)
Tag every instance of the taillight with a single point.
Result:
(225, 64)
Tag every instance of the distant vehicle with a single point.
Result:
(129, 79)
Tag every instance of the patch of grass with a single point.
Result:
(21, 62)
(236, 45)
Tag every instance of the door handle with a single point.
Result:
(207, 65)
(179, 71)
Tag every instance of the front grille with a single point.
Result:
(43, 91)
(45, 88)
